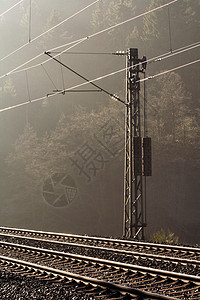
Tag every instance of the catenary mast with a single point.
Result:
(137, 161)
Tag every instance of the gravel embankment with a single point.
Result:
(19, 287)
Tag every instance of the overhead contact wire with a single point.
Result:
(155, 59)
(96, 79)
(183, 49)
(37, 37)
(175, 52)
(141, 80)
(124, 69)
(171, 70)
(9, 9)
(37, 65)
(86, 37)
(121, 23)
(67, 19)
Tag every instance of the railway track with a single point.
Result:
(81, 286)
(142, 247)
(188, 266)
(106, 273)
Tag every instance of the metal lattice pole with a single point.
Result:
(133, 223)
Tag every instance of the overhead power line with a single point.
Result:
(67, 19)
(155, 59)
(9, 9)
(171, 70)
(121, 23)
(94, 80)
(78, 41)
(14, 71)
(158, 58)
(114, 73)
(114, 96)
(22, 104)
(37, 37)
(177, 51)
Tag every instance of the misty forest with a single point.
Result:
(57, 127)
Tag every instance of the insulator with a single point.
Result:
(144, 62)
(120, 53)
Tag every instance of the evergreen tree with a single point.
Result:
(109, 13)
(172, 122)
(40, 157)
(7, 93)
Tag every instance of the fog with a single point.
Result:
(42, 140)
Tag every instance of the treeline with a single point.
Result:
(48, 135)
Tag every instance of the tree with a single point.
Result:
(170, 28)
(41, 157)
(179, 20)
(171, 121)
(52, 38)
(26, 10)
(150, 27)
(109, 13)
(36, 159)
(7, 93)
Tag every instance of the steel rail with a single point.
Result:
(153, 280)
(112, 250)
(106, 240)
(85, 279)
(119, 265)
